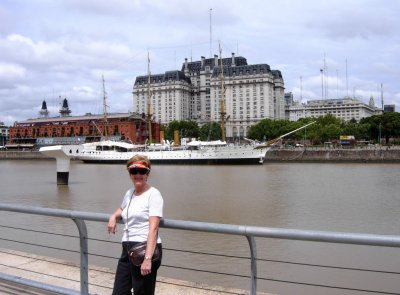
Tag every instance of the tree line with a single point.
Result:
(326, 128)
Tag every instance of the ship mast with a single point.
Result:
(105, 110)
(222, 100)
(149, 94)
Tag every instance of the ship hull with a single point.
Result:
(211, 156)
(109, 154)
(242, 161)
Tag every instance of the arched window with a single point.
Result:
(235, 132)
(241, 131)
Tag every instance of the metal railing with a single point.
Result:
(250, 232)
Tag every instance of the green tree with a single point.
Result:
(330, 132)
(185, 128)
(390, 125)
(386, 125)
(210, 131)
(328, 119)
(359, 130)
(373, 126)
(267, 129)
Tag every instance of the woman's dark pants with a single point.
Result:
(128, 276)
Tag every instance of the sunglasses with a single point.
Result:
(141, 171)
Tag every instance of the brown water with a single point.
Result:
(360, 198)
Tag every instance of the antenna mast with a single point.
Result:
(347, 82)
(337, 84)
(325, 79)
(382, 97)
(301, 88)
(210, 34)
(105, 110)
(149, 94)
(322, 83)
(223, 113)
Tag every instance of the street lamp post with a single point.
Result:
(380, 133)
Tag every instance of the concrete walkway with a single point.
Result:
(67, 275)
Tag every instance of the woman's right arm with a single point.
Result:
(112, 221)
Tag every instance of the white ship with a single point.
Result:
(195, 152)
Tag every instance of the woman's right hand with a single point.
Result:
(112, 221)
(112, 225)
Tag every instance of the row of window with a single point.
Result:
(252, 108)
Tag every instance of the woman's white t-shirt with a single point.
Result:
(137, 210)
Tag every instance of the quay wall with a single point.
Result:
(22, 155)
(362, 155)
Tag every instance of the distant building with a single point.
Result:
(252, 93)
(66, 129)
(289, 98)
(4, 131)
(129, 127)
(345, 108)
(389, 108)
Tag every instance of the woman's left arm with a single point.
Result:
(154, 223)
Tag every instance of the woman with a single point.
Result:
(141, 211)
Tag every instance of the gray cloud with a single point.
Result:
(64, 48)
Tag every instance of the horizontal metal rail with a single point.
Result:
(35, 284)
(250, 232)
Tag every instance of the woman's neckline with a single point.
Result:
(135, 192)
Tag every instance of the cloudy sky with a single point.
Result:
(62, 48)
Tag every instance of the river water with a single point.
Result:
(358, 198)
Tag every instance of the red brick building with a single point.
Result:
(130, 127)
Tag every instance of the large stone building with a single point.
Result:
(345, 108)
(252, 93)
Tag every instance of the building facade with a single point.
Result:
(389, 108)
(252, 93)
(66, 129)
(3, 134)
(345, 108)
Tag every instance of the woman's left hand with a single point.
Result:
(145, 268)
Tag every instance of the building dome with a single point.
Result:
(372, 102)
(65, 111)
(43, 111)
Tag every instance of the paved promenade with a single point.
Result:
(67, 275)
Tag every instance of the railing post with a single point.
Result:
(84, 255)
(253, 264)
